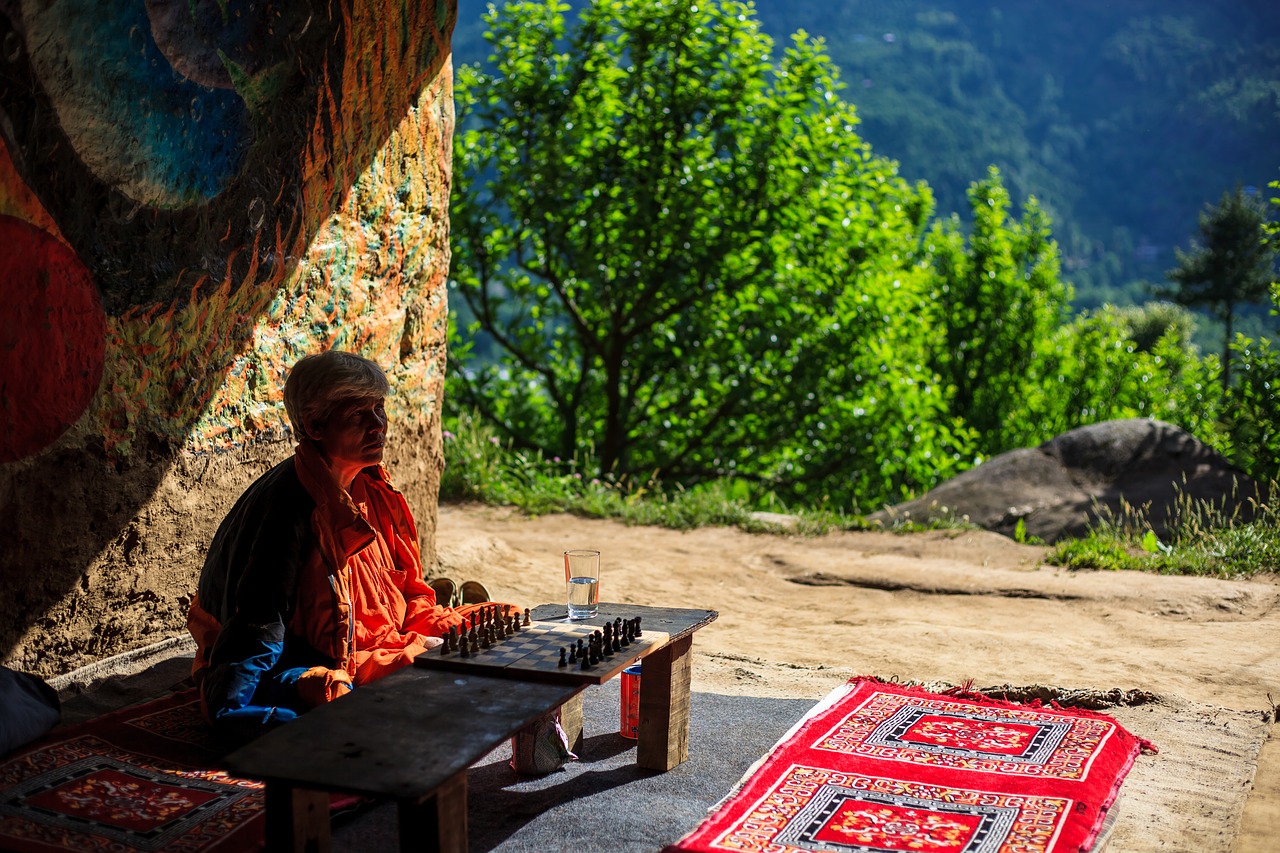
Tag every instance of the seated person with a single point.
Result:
(313, 582)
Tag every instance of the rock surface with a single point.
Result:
(1099, 471)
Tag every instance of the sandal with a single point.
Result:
(446, 591)
(474, 592)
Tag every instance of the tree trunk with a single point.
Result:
(615, 441)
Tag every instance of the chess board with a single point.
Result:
(533, 654)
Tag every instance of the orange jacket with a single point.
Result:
(306, 587)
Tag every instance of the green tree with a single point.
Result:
(690, 261)
(1230, 266)
(997, 298)
(1252, 413)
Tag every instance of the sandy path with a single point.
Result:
(799, 616)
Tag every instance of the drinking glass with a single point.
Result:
(582, 577)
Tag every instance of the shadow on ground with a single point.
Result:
(603, 803)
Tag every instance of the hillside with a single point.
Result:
(1124, 119)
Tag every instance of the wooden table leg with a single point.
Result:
(297, 819)
(438, 822)
(664, 706)
(571, 722)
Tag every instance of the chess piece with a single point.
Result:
(583, 662)
(573, 654)
(564, 660)
(526, 617)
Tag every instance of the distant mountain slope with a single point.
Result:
(1124, 118)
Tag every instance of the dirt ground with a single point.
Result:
(1192, 664)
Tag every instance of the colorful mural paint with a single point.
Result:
(194, 193)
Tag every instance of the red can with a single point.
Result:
(630, 716)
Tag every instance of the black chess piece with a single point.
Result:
(583, 662)
(639, 631)
(573, 654)
(564, 659)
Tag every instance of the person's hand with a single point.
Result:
(430, 643)
(319, 685)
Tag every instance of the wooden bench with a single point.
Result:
(413, 735)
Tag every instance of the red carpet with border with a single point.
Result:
(884, 768)
(141, 779)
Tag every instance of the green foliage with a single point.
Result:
(1203, 541)
(995, 299)
(696, 272)
(1019, 370)
(480, 466)
(1271, 237)
(1094, 552)
(1092, 371)
(968, 83)
(1146, 324)
(1232, 264)
(691, 263)
(1251, 414)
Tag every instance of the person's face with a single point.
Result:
(355, 433)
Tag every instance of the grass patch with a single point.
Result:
(1202, 541)
(480, 466)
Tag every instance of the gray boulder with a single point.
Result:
(1061, 487)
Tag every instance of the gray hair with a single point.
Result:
(319, 382)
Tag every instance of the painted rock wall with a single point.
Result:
(193, 195)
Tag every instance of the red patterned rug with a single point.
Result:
(883, 768)
(141, 779)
